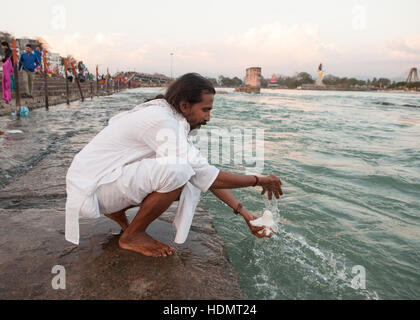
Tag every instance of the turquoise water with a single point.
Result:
(350, 164)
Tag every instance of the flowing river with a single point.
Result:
(349, 220)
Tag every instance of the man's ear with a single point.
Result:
(184, 106)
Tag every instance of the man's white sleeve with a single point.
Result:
(205, 174)
(168, 139)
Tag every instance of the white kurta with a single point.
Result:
(152, 130)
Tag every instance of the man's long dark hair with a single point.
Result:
(190, 88)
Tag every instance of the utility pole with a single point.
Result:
(77, 81)
(97, 81)
(16, 75)
(67, 82)
(44, 56)
(172, 58)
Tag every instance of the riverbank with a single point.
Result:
(324, 88)
(57, 92)
(32, 228)
(361, 89)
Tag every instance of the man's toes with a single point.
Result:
(160, 253)
(165, 246)
(169, 251)
(163, 252)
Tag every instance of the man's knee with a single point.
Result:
(171, 174)
(181, 173)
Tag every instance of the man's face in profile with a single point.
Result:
(198, 114)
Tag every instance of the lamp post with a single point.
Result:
(172, 57)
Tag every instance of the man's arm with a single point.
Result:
(227, 180)
(227, 197)
(270, 184)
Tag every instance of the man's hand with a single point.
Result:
(255, 230)
(271, 184)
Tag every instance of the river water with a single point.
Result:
(349, 220)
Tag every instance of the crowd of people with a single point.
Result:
(83, 72)
(30, 63)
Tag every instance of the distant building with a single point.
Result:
(253, 77)
(273, 82)
(252, 81)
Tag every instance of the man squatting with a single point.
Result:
(134, 162)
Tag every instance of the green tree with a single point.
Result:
(331, 80)
(304, 78)
(352, 82)
(264, 82)
(236, 82)
(413, 85)
(281, 80)
(229, 82)
(291, 82)
(213, 81)
(384, 82)
(225, 81)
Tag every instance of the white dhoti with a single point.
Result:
(137, 180)
(141, 151)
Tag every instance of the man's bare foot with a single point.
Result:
(142, 243)
(120, 218)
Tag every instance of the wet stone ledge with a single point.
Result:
(32, 243)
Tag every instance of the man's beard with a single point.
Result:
(204, 123)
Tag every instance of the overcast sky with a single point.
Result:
(351, 38)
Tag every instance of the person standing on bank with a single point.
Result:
(7, 52)
(144, 157)
(29, 62)
(7, 77)
(38, 54)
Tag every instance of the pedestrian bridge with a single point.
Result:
(150, 78)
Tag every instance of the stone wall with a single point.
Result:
(56, 92)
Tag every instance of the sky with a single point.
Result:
(364, 38)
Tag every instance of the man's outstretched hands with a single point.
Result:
(271, 184)
(255, 230)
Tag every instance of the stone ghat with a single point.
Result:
(57, 93)
(32, 220)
